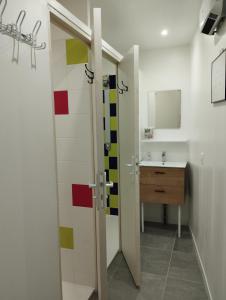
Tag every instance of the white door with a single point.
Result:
(129, 158)
(98, 135)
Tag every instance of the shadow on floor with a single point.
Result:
(170, 270)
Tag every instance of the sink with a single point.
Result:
(167, 164)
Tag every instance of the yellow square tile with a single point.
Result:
(113, 96)
(113, 123)
(66, 237)
(113, 175)
(114, 150)
(106, 162)
(114, 201)
(107, 211)
(76, 52)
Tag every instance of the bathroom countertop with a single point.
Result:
(167, 164)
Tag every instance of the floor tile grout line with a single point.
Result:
(186, 280)
(167, 274)
(155, 248)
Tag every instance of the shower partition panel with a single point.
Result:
(62, 16)
(74, 144)
(100, 176)
(129, 156)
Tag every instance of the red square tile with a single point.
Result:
(61, 102)
(82, 195)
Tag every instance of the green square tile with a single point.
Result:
(113, 175)
(106, 162)
(76, 52)
(113, 123)
(114, 150)
(66, 238)
(113, 201)
(107, 211)
(113, 96)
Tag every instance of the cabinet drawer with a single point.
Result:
(161, 194)
(162, 176)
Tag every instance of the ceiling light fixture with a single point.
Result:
(164, 32)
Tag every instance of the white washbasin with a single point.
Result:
(167, 164)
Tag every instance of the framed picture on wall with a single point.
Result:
(218, 78)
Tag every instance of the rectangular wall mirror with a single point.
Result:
(164, 109)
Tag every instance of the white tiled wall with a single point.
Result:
(74, 163)
(112, 222)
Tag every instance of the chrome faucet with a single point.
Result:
(163, 157)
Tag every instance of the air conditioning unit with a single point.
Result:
(211, 13)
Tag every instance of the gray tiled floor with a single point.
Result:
(169, 269)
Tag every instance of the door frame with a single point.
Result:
(73, 24)
(66, 20)
(134, 163)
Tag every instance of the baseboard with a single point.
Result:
(201, 266)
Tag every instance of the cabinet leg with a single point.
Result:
(179, 221)
(142, 217)
(165, 214)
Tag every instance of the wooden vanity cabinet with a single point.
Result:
(162, 185)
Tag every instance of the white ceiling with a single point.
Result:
(129, 22)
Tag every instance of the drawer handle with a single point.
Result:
(159, 173)
(159, 191)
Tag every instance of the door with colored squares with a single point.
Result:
(74, 148)
(86, 128)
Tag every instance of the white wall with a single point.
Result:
(208, 211)
(29, 253)
(166, 69)
(80, 8)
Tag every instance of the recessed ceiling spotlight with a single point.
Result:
(164, 32)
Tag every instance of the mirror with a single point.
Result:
(164, 108)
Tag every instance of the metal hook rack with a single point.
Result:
(89, 74)
(119, 89)
(15, 31)
(123, 89)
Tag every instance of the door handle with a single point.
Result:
(92, 185)
(159, 191)
(129, 165)
(105, 185)
(109, 184)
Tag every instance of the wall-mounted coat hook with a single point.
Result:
(120, 90)
(36, 29)
(2, 10)
(34, 45)
(125, 87)
(89, 74)
(17, 32)
(20, 20)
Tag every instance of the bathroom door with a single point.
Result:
(129, 158)
(99, 174)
